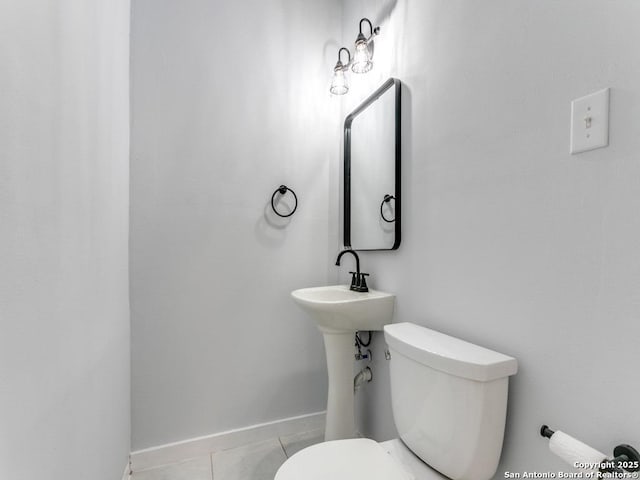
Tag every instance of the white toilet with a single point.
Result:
(449, 400)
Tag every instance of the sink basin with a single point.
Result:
(337, 309)
(339, 313)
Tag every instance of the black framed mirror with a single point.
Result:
(372, 200)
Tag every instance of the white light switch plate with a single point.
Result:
(590, 122)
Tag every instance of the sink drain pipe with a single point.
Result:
(362, 377)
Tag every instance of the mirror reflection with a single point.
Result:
(372, 171)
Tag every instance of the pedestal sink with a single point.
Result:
(339, 313)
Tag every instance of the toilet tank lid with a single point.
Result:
(448, 354)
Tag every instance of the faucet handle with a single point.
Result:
(354, 281)
(362, 287)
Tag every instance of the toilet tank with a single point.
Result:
(449, 400)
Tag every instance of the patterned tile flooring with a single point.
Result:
(256, 461)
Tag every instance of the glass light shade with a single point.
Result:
(339, 84)
(362, 58)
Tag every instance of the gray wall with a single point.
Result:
(229, 100)
(64, 311)
(509, 241)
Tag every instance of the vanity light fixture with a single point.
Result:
(360, 63)
(364, 49)
(340, 84)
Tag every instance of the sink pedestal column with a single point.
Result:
(340, 404)
(339, 313)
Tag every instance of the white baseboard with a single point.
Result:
(195, 447)
(126, 475)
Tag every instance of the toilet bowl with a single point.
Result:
(449, 402)
(357, 458)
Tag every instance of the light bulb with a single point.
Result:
(362, 57)
(339, 85)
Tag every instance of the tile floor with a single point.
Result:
(256, 461)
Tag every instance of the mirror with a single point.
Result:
(372, 202)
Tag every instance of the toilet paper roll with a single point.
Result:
(577, 454)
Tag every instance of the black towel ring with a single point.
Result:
(387, 198)
(283, 189)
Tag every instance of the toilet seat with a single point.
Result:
(343, 460)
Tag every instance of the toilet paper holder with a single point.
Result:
(625, 457)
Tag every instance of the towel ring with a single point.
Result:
(387, 198)
(283, 189)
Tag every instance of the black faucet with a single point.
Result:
(358, 280)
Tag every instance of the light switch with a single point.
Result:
(590, 122)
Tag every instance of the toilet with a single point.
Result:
(449, 402)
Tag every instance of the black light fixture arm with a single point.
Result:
(372, 31)
(340, 65)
